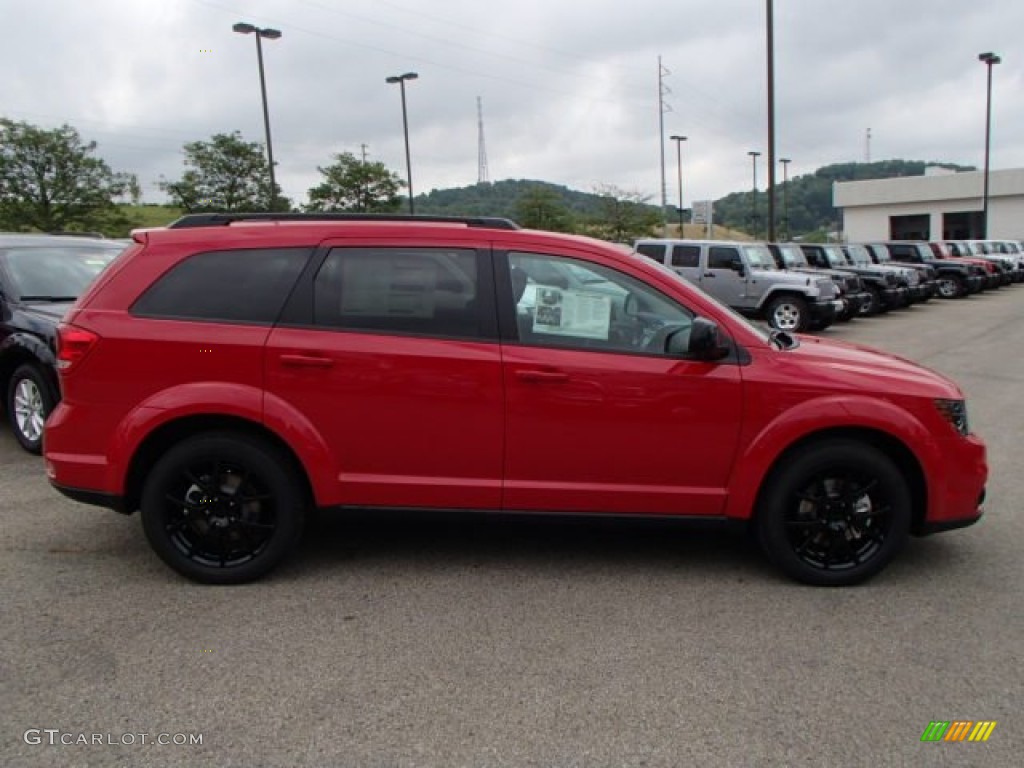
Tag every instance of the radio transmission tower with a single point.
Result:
(482, 176)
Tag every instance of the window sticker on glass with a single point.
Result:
(572, 313)
(395, 287)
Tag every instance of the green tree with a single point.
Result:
(543, 208)
(226, 174)
(50, 180)
(625, 214)
(353, 185)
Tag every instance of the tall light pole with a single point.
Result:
(785, 191)
(679, 166)
(400, 79)
(753, 195)
(989, 59)
(270, 34)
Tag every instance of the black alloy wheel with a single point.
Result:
(222, 508)
(835, 514)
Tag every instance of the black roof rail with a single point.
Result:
(223, 219)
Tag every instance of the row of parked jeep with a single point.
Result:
(809, 286)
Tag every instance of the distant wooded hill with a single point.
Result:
(809, 197)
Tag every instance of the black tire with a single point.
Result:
(835, 513)
(230, 531)
(952, 287)
(788, 313)
(30, 401)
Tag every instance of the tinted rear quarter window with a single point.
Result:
(240, 286)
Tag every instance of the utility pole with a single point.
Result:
(366, 181)
(482, 176)
(663, 107)
(771, 123)
(867, 146)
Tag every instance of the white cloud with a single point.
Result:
(569, 86)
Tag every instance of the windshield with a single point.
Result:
(54, 273)
(882, 253)
(792, 256)
(835, 256)
(759, 257)
(859, 255)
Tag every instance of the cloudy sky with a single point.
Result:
(569, 87)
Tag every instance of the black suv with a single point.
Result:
(882, 284)
(40, 277)
(954, 280)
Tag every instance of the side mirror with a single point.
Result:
(701, 343)
(737, 267)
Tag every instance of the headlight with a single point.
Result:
(955, 412)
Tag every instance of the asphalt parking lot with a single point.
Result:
(529, 643)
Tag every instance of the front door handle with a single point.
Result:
(542, 377)
(306, 361)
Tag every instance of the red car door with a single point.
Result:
(398, 371)
(598, 417)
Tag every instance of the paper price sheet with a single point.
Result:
(572, 313)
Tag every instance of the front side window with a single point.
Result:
(423, 291)
(241, 286)
(571, 303)
(720, 257)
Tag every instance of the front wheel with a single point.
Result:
(835, 513)
(952, 287)
(788, 313)
(29, 403)
(222, 508)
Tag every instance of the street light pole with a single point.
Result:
(753, 195)
(679, 164)
(270, 34)
(989, 59)
(771, 121)
(400, 79)
(785, 194)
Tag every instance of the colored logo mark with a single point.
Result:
(958, 730)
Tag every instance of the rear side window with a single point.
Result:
(242, 286)
(685, 255)
(423, 291)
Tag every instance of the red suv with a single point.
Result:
(230, 373)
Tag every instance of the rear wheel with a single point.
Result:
(222, 508)
(29, 403)
(835, 514)
(788, 313)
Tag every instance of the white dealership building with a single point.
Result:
(940, 205)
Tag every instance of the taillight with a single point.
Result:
(73, 344)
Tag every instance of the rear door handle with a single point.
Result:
(306, 361)
(542, 377)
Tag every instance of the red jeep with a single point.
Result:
(229, 373)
